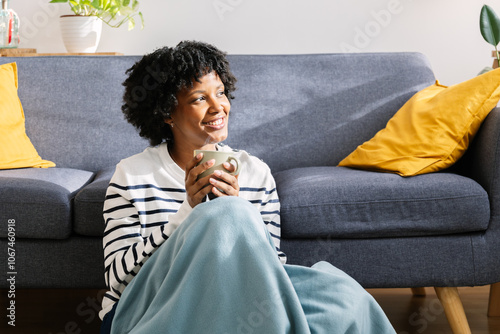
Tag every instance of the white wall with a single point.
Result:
(447, 31)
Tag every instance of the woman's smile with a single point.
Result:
(216, 124)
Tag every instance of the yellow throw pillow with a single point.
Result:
(16, 149)
(432, 130)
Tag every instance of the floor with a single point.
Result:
(417, 315)
(75, 311)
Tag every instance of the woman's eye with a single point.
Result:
(221, 93)
(199, 99)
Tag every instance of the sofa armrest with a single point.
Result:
(486, 159)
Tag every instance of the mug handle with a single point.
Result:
(238, 165)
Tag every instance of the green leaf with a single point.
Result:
(114, 9)
(486, 69)
(126, 11)
(489, 24)
(142, 20)
(112, 12)
(106, 5)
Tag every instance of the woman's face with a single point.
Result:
(201, 117)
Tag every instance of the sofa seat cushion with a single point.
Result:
(340, 202)
(40, 200)
(89, 205)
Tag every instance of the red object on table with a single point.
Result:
(11, 20)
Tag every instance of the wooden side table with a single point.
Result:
(495, 62)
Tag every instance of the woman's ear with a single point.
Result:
(170, 122)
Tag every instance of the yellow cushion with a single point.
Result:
(432, 130)
(16, 149)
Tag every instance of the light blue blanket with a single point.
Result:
(219, 273)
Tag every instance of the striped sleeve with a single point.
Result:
(138, 219)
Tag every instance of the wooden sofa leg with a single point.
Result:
(494, 303)
(418, 292)
(453, 308)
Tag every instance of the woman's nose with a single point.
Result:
(215, 105)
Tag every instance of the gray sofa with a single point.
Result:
(301, 114)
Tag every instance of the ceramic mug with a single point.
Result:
(219, 157)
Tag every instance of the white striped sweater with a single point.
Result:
(145, 202)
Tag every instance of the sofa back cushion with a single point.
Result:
(313, 110)
(16, 149)
(72, 106)
(289, 110)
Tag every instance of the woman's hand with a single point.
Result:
(197, 190)
(220, 183)
(225, 184)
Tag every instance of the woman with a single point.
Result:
(177, 262)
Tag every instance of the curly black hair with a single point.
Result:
(154, 82)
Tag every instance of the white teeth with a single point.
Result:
(217, 122)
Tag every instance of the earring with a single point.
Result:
(171, 125)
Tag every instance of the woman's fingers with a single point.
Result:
(229, 166)
(220, 183)
(196, 189)
(224, 184)
(193, 164)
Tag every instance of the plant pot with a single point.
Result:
(80, 34)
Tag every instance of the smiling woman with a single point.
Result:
(178, 244)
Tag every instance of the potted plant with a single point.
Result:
(489, 24)
(81, 32)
